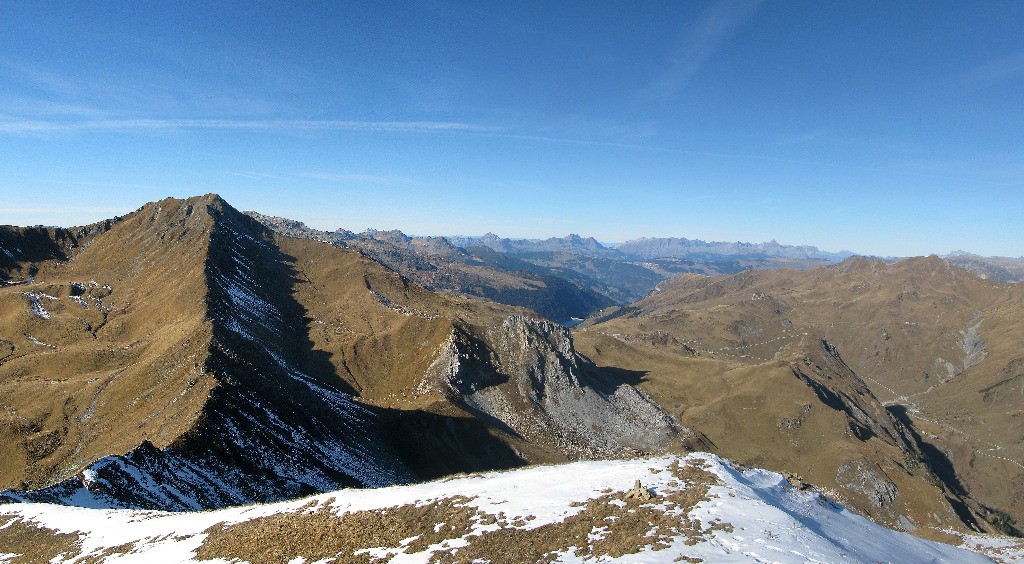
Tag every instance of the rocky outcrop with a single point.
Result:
(837, 386)
(530, 379)
(867, 479)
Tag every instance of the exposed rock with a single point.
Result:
(973, 345)
(530, 378)
(867, 479)
(639, 493)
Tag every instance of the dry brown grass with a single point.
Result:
(323, 534)
(34, 544)
(133, 365)
(116, 372)
(757, 415)
(606, 526)
(891, 324)
(102, 555)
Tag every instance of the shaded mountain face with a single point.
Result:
(187, 357)
(934, 350)
(22, 247)
(1000, 269)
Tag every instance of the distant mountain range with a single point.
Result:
(682, 248)
(559, 278)
(436, 264)
(1002, 269)
(650, 248)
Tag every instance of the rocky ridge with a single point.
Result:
(246, 385)
(436, 264)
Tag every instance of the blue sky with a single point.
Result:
(879, 127)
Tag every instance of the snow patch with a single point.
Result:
(36, 305)
(38, 342)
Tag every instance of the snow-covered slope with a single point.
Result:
(702, 509)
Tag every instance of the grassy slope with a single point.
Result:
(891, 323)
(117, 371)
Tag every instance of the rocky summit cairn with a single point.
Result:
(639, 493)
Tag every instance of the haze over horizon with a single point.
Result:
(892, 130)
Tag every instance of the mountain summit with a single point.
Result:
(185, 357)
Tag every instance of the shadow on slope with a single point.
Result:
(943, 468)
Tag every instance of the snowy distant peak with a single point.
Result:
(678, 247)
(650, 248)
(571, 244)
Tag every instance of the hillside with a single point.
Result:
(1000, 269)
(435, 264)
(187, 357)
(559, 278)
(695, 509)
(935, 346)
(628, 271)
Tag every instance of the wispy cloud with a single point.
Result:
(116, 185)
(797, 139)
(346, 177)
(995, 71)
(127, 125)
(20, 106)
(641, 147)
(49, 81)
(716, 25)
(262, 176)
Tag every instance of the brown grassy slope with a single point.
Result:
(207, 390)
(905, 328)
(204, 349)
(115, 370)
(381, 331)
(380, 334)
(390, 341)
(803, 414)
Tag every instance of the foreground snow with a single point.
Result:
(742, 516)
